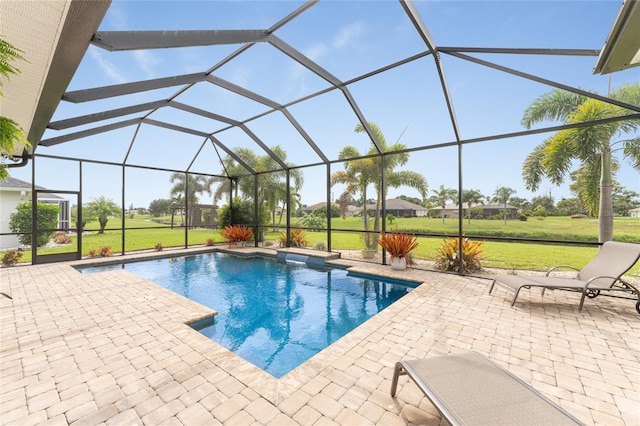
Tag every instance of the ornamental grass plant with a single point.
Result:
(234, 234)
(447, 258)
(398, 244)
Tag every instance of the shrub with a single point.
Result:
(103, 252)
(209, 242)
(522, 217)
(472, 255)
(236, 233)
(298, 238)
(398, 244)
(20, 222)
(335, 211)
(539, 211)
(159, 247)
(477, 213)
(390, 219)
(242, 213)
(11, 257)
(62, 238)
(321, 245)
(314, 221)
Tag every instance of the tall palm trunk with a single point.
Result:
(376, 220)
(605, 211)
(103, 224)
(369, 243)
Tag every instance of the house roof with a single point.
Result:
(17, 185)
(621, 50)
(484, 206)
(399, 204)
(317, 206)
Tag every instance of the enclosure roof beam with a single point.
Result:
(203, 113)
(138, 40)
(303, 60)
(174, 127)
(304, 134)
(415, 18)
(104, 92)
(231, 154)
(327, 76)
(521, 51)
(242, 91)
(262, 145)
(89, 132)
(547, 82)
(362, 119)
(105, 115)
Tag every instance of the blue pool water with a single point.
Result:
(274, 315)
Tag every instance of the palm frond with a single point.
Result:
(551, 106)
(532, 168)
(631, 152)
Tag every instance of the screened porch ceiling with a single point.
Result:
(220, 89)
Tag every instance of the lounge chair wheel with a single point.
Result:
(593, 293)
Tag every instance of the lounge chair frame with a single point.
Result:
(592, 286)
(470, 389)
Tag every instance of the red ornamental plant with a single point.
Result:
(234, 234)
(398, 244)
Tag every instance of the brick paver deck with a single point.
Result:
(112, 348)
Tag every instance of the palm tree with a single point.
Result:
(271, 178)
(472, 197)
(359, 173)
(102, 209)
(11, 133)
(502, 195)
(191, 185)
(591, 146)
(442, 195)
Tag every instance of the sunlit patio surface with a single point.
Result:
(112, 348)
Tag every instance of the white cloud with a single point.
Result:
(147, 62)
(316, 51)
(107, 67)
(117, 16)
(347, 34)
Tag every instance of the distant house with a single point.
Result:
(395, 206)
(402, 208)
(351, 210)
(489, 209)
(14, 191)
(635, 212)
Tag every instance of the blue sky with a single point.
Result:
(349, 39)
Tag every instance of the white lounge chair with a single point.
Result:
(602, 274)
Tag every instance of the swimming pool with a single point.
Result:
(272, 314)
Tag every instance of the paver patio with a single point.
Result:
(111, 348)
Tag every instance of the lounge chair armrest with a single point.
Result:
(600, 277)
(560, 267)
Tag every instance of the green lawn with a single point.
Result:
(498, 254)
